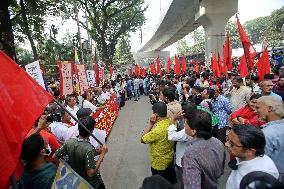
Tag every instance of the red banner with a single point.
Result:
(66, 79)
(105, 118)
(82, 77)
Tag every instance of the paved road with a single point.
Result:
(128, 161)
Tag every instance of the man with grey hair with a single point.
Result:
(271, 109)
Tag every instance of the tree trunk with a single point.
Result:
(27, 30)
(6, 30)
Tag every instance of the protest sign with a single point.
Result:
(82, 77)
(66, 177)
(33, 69)
(91, 78)
(66, 79)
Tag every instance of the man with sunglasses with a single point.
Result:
(247, 144)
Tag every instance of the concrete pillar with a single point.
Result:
(213, 15)
(214, 35)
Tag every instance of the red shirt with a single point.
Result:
(249, 115)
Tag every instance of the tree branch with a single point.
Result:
(123, 9)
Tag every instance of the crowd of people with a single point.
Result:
(195, 118)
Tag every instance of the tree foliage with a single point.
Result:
(266, 29)
(109, 20)
(182, 47)
(198, 46)
(29, 21)
(123, 54)
(198, 42)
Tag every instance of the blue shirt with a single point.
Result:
(275, 95)
(222, 108)
(274, 148)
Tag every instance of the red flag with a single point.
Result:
(263, 66)
(110, 70)
(183, 64)
(243, 69)
(168, 68)
(227, 55)
(142, 72)
(218, 70)
(137, 70)
(249, 50)
(177, 66)
(196, 68)
(153, 68)
(96, 70)
(215, 66)
(130, 72)
(159, 67)
(22, 102)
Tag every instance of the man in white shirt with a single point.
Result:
(63, 132)
(247, 144)
(72, 107)
(59, 128)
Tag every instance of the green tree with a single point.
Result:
(122, 53)
(257, 28)
(182, 47)
(6, 30)
(198, 42)
(30, 20)
(109, 20)
(274, 33)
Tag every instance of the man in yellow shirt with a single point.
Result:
(161, 149)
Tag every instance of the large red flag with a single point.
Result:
(137, 70)
(263, 66)
(243, 69)
(249, 50)
(177, 66)
(130, 72)
(227, 55)
(183, 64)
(159, 67)
(22, 102)
(110, 70)
(168, 68)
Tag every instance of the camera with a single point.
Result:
(53, 117)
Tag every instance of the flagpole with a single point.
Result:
(79, 122)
